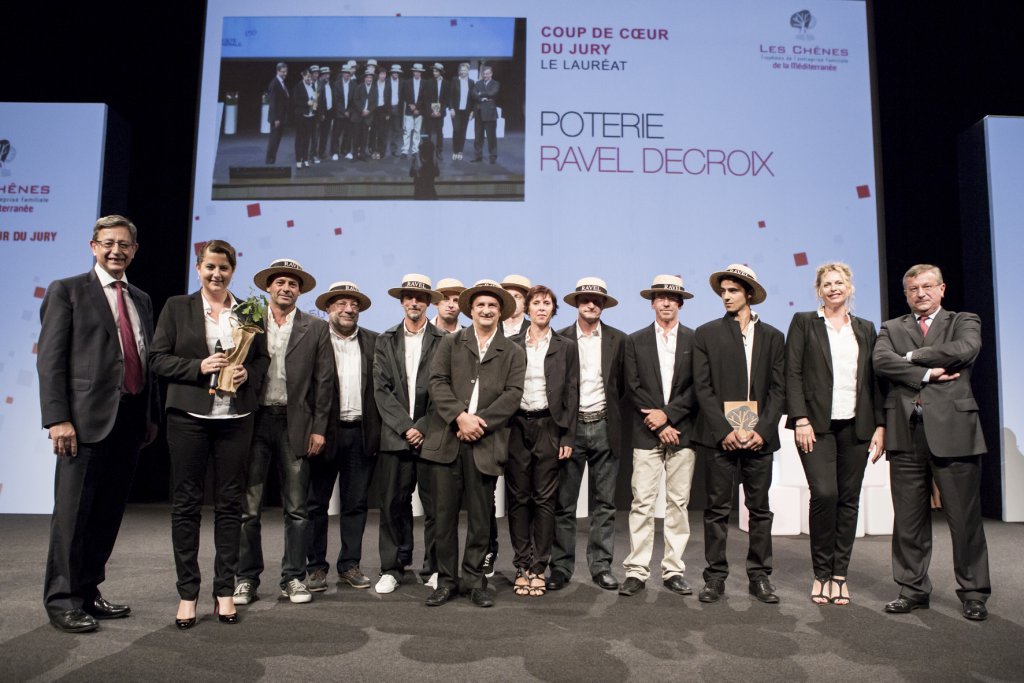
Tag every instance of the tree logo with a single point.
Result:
(803, 21)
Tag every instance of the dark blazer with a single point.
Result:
(371, 416)
(484, 95)
(408, 98)
(561, 384)
(456, 368)
(79, 357)
(179, 347)
(310, 379)
(720, 374)
(300, 101)
(277, 98)
(455, 94)
(613, 353)
(643, 384)
(343, 105)
(322, 112)
(431, 95)
(362, 100)
(391, 387)
(809, 375)
(951, 422)
(391, 85)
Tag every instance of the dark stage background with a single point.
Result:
(939, 68)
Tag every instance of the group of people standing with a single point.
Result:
(432, 406)
(369, 112)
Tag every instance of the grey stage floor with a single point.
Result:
(579, 634)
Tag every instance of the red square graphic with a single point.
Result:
(39, 292)
(337, 231)
(800, 259)
(863, 192)
(253, 210)
(761, 224)
(290, 224)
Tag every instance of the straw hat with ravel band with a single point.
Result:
(417, 67)
(285, 266)
(591, 285)
(666, 284)
(439, 66)
(738, 271)
(508, 304)
(449, 285)
(416, 283)
(396, 68)
(339, 289)
(518, 282)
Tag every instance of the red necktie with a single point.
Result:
(923, 322)
(132, 362)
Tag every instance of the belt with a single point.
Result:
(350, 423)
(595, 416)
(534, 414)
(274, 410)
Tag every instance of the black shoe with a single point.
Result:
(606, 581)
(74, 621)
(481, 598)
(487, 568)
(975, 610)
(557, 581)
(476, 160)
(224, 618)
(101, 609)
(631, 586)
(677, 584)
(904, 605)
(441, 595)
(712, 591)
(763, 590)
(492, 160)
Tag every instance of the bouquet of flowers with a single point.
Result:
(251, 315)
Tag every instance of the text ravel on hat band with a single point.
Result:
(592, 288)
(287, 264)
(413, 284)
(676, 288)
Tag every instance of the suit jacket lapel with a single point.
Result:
(650, 342)
(863, 350)
(299, 327)
(938, 325)
(102, 306)
(912, 328)
(820, 332)
(365, 359)
(677, 373)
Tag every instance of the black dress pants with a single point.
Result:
(531, 480)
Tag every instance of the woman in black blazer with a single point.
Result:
(836, 410)
(201, 425)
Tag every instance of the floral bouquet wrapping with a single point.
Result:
(251, 315)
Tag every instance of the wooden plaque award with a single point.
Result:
(742, 415)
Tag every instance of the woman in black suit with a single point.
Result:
(201, 425)
(835, 409)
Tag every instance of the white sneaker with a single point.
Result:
(432, 581)
(245, 593)
(386, 584)
(334, 157)
(316, 160)
(296, 592)
(349, 156)
(298, 164)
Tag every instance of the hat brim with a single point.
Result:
(759, 291)
(609, 300)
(325, 299)
(508, 304)
(397, 292)
(307, 283)
(650, 293)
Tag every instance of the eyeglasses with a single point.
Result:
(923, 289)
(109, 244)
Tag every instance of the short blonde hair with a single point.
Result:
(842, 269)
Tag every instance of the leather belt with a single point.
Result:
(534, 414)
(275, 410)
(350, 423)
(595, 416)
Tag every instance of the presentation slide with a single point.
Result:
(51, 169)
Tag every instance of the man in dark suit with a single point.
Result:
(436, 105)
(364, 104)
(485, 111)
(99, 402)
(459, 107)
(598, 435)
(933, 434)
(395, 110)
(379, 128)
(341, 135)
(304, 101)
(658, 376)
(476, 384)
(413, 100)
(401, 368)
(290, 427)
(324, 113)
(738, 359)
(277, 98)
(352, 443)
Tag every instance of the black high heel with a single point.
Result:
(224, 618)
(185, 624)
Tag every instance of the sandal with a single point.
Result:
(521, 586)
(837, 595)
(820, 598)
(537, 585)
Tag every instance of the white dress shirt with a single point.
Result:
(512, 329)
(348, 362)
(843, 346)
(666, 357)
(748, 347)
(413, 350)
(110, 291)
(535, 395)
(219, 330)
(592, 398)
(463, 92)
(276, 390)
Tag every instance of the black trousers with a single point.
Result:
(959, 481)
(454, 483)
(433, 129)
(349, 464)
(303, 137)
(400, 473)
(90, 492)
(490, 130)
(460, 122)
(341, 136)
(755, 474)
(324, 134)
(274, 141)
(379, 131)
(835, 472)
(531, 480)
(192, 442)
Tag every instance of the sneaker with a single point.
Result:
(298, 164)
(488, 566)
(349, 156)
(354, 577)
(317, 581)
(334, 157)
(296, 592)
(432, 581)
(386, 584)
(245, 593)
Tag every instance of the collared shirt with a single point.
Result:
(436, 322)
(748, 347)
(395, 82)
(413, 350)
(910, 354)
(512, 329)
(666, 357)
(416, 90)
(380, 94)
(328, 95)
(348, 362)
(276, 389)
(592, 398)
(535, 395)
(110, 292)
(474, 399)
(463, 92)
(220, 330)
(310, 95)
(843, 346)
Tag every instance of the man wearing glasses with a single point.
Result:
(99, 403)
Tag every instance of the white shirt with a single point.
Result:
(416, 90)
(666, 357)
(474, 399)
(748, 346)
(512, 329)
(219, 330)
(276, 390)
(463, 92)
(328, 95)
(110, 291)
(395, 83)
(592, 398)
(436, 322)
(348, 362)
(413, 349)
(843, 345)
(535, 395)
(380, 94)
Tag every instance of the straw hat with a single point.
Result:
(508, 304)
(340, 289)
(738, 271)
(285, 266)
(666, 284)
(591, 285)
(414, 282)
